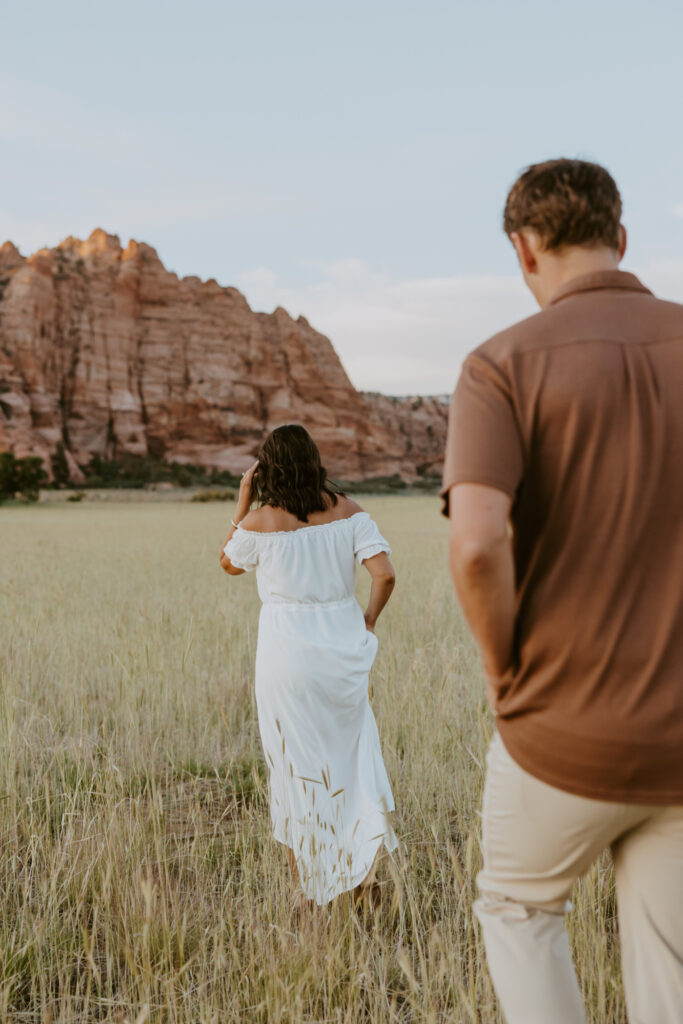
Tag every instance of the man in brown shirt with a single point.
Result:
(564, 484)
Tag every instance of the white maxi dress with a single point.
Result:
(329, 791)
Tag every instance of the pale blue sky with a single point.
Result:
(348, 161)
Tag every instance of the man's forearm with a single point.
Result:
(485, 584)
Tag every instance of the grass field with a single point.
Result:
(138, 878)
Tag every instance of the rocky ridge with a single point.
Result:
(105, 351)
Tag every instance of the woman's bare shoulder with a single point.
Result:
(264, 519)
(348, 506)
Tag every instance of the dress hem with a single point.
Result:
(390, 843)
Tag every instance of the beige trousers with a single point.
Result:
(537, 840)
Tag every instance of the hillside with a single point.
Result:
(108, 353)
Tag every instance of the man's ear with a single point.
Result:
(525, 251)
(623, 241)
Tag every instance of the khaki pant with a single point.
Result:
(537, 840)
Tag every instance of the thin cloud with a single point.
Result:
(396, 335)
(56, 122)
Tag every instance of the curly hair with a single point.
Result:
(290, 474)
(566, 202)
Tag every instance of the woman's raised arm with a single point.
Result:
(244, 501)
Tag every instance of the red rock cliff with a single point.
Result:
(106, 351)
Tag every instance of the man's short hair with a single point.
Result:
(566, 202)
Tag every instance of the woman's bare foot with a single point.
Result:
(369, 892)
(291, 860)
(300, 901)
(367, 896)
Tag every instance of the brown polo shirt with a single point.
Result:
(577, 414)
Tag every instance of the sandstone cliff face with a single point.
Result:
(104, 350)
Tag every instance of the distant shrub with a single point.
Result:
(429, 484)
(214, 496)
(183, 477)
(76, 496)
(145, 470)
(391, 484)
(8, 475)
(376, 485)
(32, 477)
(21, 476)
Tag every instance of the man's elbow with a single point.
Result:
(473, 557)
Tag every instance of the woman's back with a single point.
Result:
(311, 564)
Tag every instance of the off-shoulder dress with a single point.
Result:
(330, 796)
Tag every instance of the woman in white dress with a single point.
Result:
(329, 793)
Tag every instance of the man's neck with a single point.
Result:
(557, 269)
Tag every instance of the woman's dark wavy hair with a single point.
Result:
(290, 474)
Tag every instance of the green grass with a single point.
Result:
(138, 878)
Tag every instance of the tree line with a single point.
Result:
(24, 477)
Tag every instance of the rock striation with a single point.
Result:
(106, 352)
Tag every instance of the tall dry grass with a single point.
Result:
(138, 879)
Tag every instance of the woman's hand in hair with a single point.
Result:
(246, 495)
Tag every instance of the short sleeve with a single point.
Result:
(367, 540)
(242, 550)
(484, 444)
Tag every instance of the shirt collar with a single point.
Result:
(598, 280)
